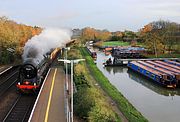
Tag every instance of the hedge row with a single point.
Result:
(89, 102)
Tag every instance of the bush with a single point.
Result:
(83, 102)
(80, 81)
(74, 54)
(101, 114)
(79, 69)
(90, 105)
(6, 58)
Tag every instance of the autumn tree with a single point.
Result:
(172, 37)
(91, 34)
(88, 34)
(13, 35)
(160, 36)
(117, 36)
(129, 35)
(104, 35)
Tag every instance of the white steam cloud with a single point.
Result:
(39, 45)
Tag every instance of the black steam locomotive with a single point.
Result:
(32, 73)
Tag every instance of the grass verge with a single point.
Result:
(116, 43)
(123, 104)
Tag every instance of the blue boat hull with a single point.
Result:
(157, 78)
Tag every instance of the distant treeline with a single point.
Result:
(161, 37)
(158, 37)
(13, 37)
(95, 35)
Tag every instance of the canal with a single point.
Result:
(156, 103)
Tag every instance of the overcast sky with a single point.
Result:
(102, 14)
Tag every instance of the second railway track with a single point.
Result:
(20, 111)
(7, 80)
(8, 91)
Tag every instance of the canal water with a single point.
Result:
(156, 103)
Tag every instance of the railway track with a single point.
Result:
(7, 71)
(20, 110)
(3, 70)
(7, 90)
(6, 82)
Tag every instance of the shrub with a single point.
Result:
(74, 54)
(90, 105)
(83, 102)
(80, 81)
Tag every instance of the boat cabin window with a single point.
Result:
(147, 73)
(157, 78)
(152, 75)
(169, 77)
(165, 77)
(138, 69)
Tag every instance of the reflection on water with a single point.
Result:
(114, 70)
(143, 80)
(151, 85)
(156, 103)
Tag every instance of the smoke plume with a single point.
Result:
(41, 44)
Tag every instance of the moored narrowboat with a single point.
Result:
(114, 62)
(167, 68)
(172, 62)
(92, 52)
(160, 77)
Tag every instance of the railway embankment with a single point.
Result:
(128, 110)
(90, 102)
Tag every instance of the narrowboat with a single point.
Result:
(159, 77)
(172, 62)
(115, 62)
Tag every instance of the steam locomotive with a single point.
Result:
(32, 73)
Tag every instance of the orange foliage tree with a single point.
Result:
(14, 35)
